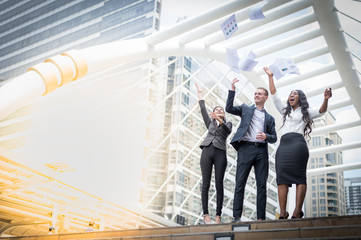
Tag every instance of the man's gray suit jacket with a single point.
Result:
(246, 113)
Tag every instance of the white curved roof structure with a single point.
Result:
(307, 31)
(201, 36)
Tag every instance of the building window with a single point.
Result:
(316, 141)
(156, 24)
(188, 64)
(185, 99)
(329, 142)
(158, 7)
(331, 157)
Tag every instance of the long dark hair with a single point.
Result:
(305, 114)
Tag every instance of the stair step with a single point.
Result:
(349, 231)
(341, 227)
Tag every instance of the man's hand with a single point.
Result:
(233, 87)
(261, 136)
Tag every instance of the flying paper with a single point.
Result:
(229, 26)
(247, 63)
(283, 66)
(256, 11)
(232, 60)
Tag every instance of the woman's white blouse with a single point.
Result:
(294, 122)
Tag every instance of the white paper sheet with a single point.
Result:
(247, 63)
(232, 60)
(283, 66)
(229, 26)
(256, 11)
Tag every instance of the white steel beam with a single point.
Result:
(271, 32)
(340, 104)
(310, 54)
(336, 148)
(337, 168)
(330, 24)
(336, 127)
(325, 69)
(288, 42)
(215, 25)
(197, 21)
(320, 90)
(270, 16)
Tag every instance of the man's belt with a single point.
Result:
(257, 144)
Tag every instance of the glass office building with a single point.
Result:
(31, 31)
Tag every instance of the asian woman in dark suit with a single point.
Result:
(213, 153)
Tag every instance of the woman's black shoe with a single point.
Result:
(285, 217)
(300, 216)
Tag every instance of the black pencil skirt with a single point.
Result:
(291, 159)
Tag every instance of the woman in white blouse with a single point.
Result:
(292, 153)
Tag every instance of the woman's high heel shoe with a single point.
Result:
(285, 217)
(300, 216)
(207, 219)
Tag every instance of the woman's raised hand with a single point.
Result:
(200, 92)
(272, 86)
(216, 116)
(268, 71)
(328, 93)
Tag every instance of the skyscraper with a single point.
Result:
(31, 31)
(353, 195)
(325, 192)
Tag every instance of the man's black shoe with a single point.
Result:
(236, 219)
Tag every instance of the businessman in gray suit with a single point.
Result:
(256, 130)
